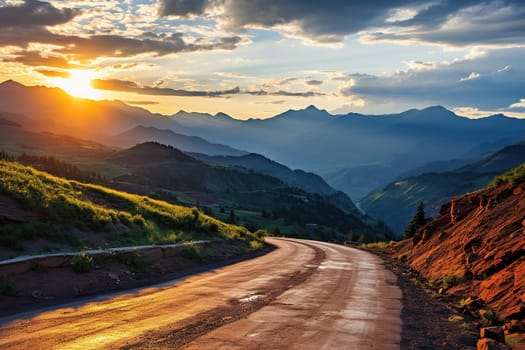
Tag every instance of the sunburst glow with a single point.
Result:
(78, 84)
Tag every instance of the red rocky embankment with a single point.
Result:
(476, 249)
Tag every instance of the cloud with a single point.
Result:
(497, 23)
(54, 73)
(182, 8)
(30, 22)
(480, 82)
(472, 75)
(446, 22)
(328, 23)
(142, 103)
(34, 13)
(131, 86)
(37, 59)
(313, 82)
(284, 93)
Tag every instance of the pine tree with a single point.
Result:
(417, 222)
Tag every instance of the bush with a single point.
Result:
(82, 262)
(446, 281)
(135, 261)
(513, 176)
(191, 252)
(260, 234)
(255, 245)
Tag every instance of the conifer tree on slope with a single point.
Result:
(417, 221)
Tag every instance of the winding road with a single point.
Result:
(304, 295)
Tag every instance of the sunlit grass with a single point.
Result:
(126, 218)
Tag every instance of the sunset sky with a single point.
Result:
(257, 58)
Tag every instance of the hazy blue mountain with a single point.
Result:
(396, 203)
(140, 134)
(356, 152)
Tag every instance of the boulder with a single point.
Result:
(495, 333)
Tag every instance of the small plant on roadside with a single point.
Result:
(191, 252)
(135, 261)
(82, 262)
(378, 245)
(260, 234)
(255, 245)
(9, 288)
(198, 254)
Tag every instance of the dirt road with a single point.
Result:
(305, 295)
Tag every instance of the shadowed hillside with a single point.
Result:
(396, 203)
(240, 195)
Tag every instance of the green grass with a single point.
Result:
(446, 281)
(82, 262)
(513, 176)
(119, 218)
(379, 245)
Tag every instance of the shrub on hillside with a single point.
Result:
(513, 176)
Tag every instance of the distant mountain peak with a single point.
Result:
(436, 108)
(221, 115)
(499, 116)
(312, 108)
(10, 83)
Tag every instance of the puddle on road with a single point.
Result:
(251, 298)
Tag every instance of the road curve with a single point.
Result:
(304, 295)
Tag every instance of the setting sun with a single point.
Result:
(78, 84)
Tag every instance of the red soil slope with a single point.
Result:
(480, 239)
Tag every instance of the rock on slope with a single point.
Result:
(480, 239)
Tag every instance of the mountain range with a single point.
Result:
(139, 134)
(355, 153)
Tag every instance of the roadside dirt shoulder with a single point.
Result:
(428, 321)
(43, 287)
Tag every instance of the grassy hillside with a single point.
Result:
(513, 176)
(70, 214)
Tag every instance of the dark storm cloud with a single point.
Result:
(131, 86)
(182, 8)
(34, 13)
